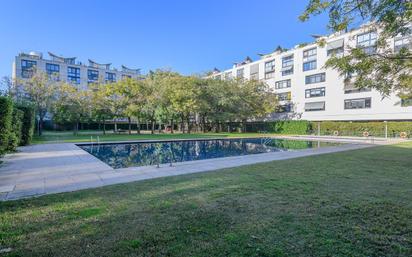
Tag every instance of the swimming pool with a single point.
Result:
(122, 155)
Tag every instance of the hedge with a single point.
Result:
(6, 115)
(28, 124)
(16, 128)
(358, 128)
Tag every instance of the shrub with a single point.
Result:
(357, 128)
(28, 124)
(6, 114)
(300, 127)
(15, 133)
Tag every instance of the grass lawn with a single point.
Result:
(84, 136)
(356, 203)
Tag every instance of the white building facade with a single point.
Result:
(68, 69)
(307, 90)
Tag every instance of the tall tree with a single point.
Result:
(71, 105)
(41, 91)
(386, 70)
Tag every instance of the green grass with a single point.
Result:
(85, 136)
(356, 203)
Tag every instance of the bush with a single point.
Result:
(6, 114)
(27, 124)
(357, 128)
(16, 129)
(300, 127)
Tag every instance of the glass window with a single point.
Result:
(283, 84)
(254, 71)
(335, 52)
(314, 106)
(269, 75)
(406, 102)
(315, 78)
(284, 96)
(284, 108)
(240, 73)
(110, 77)
(92, 76)
(405, 42)
(228, 75)
(315, 92)
(270, 66)
(73, 75)
(309, 65)
(309, 59)
(360, 103)
(287, 61)
(27, 68)
(53, 70)
(367, 41)
(125, 76)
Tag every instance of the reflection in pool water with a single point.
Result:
(151, 153)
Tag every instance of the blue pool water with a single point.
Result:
(124, 155)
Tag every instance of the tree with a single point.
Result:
(385, 70)
(41, 91)
(5, 86)
(72, 105)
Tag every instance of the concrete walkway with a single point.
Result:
(53, 168)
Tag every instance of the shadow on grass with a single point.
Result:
(342, 204)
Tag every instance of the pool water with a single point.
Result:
(122, 155)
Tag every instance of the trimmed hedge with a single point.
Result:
(6, 115)
(16, 129)
(357, 128)
(28, 121)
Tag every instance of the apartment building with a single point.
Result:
(307, 90)
(68, 69)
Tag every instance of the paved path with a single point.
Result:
(53, 168)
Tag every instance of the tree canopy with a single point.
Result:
(385, 69)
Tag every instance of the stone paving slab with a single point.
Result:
(54, 168)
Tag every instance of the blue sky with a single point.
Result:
(188, 36)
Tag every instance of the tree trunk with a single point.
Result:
(188, 124)
(171, 126)
(153, 128)
(40, 129)
(138, 125)
(115, 127)
(159, 128)
(104, 126)
(130, 125)
(182, 124)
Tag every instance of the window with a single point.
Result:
(309, 59)
(404, 42)
(360, 103)
(315, 78)
(228, 75)
(52, 71)
(27, 68)
(315, 92)
(284, 96)
(254, 72)
(270, 66)
(406, 102)
(218, 77)
(367, 41)
(284, 108)
(92, 76)
(287, 65)
(110, 77)
(125, 76)
(314, 106)
(335, 48)
(283, 84)
(240, 73)
(351, 89)
(269, 75)
(73, 75)
(309, 65)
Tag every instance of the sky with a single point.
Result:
(187, 36)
